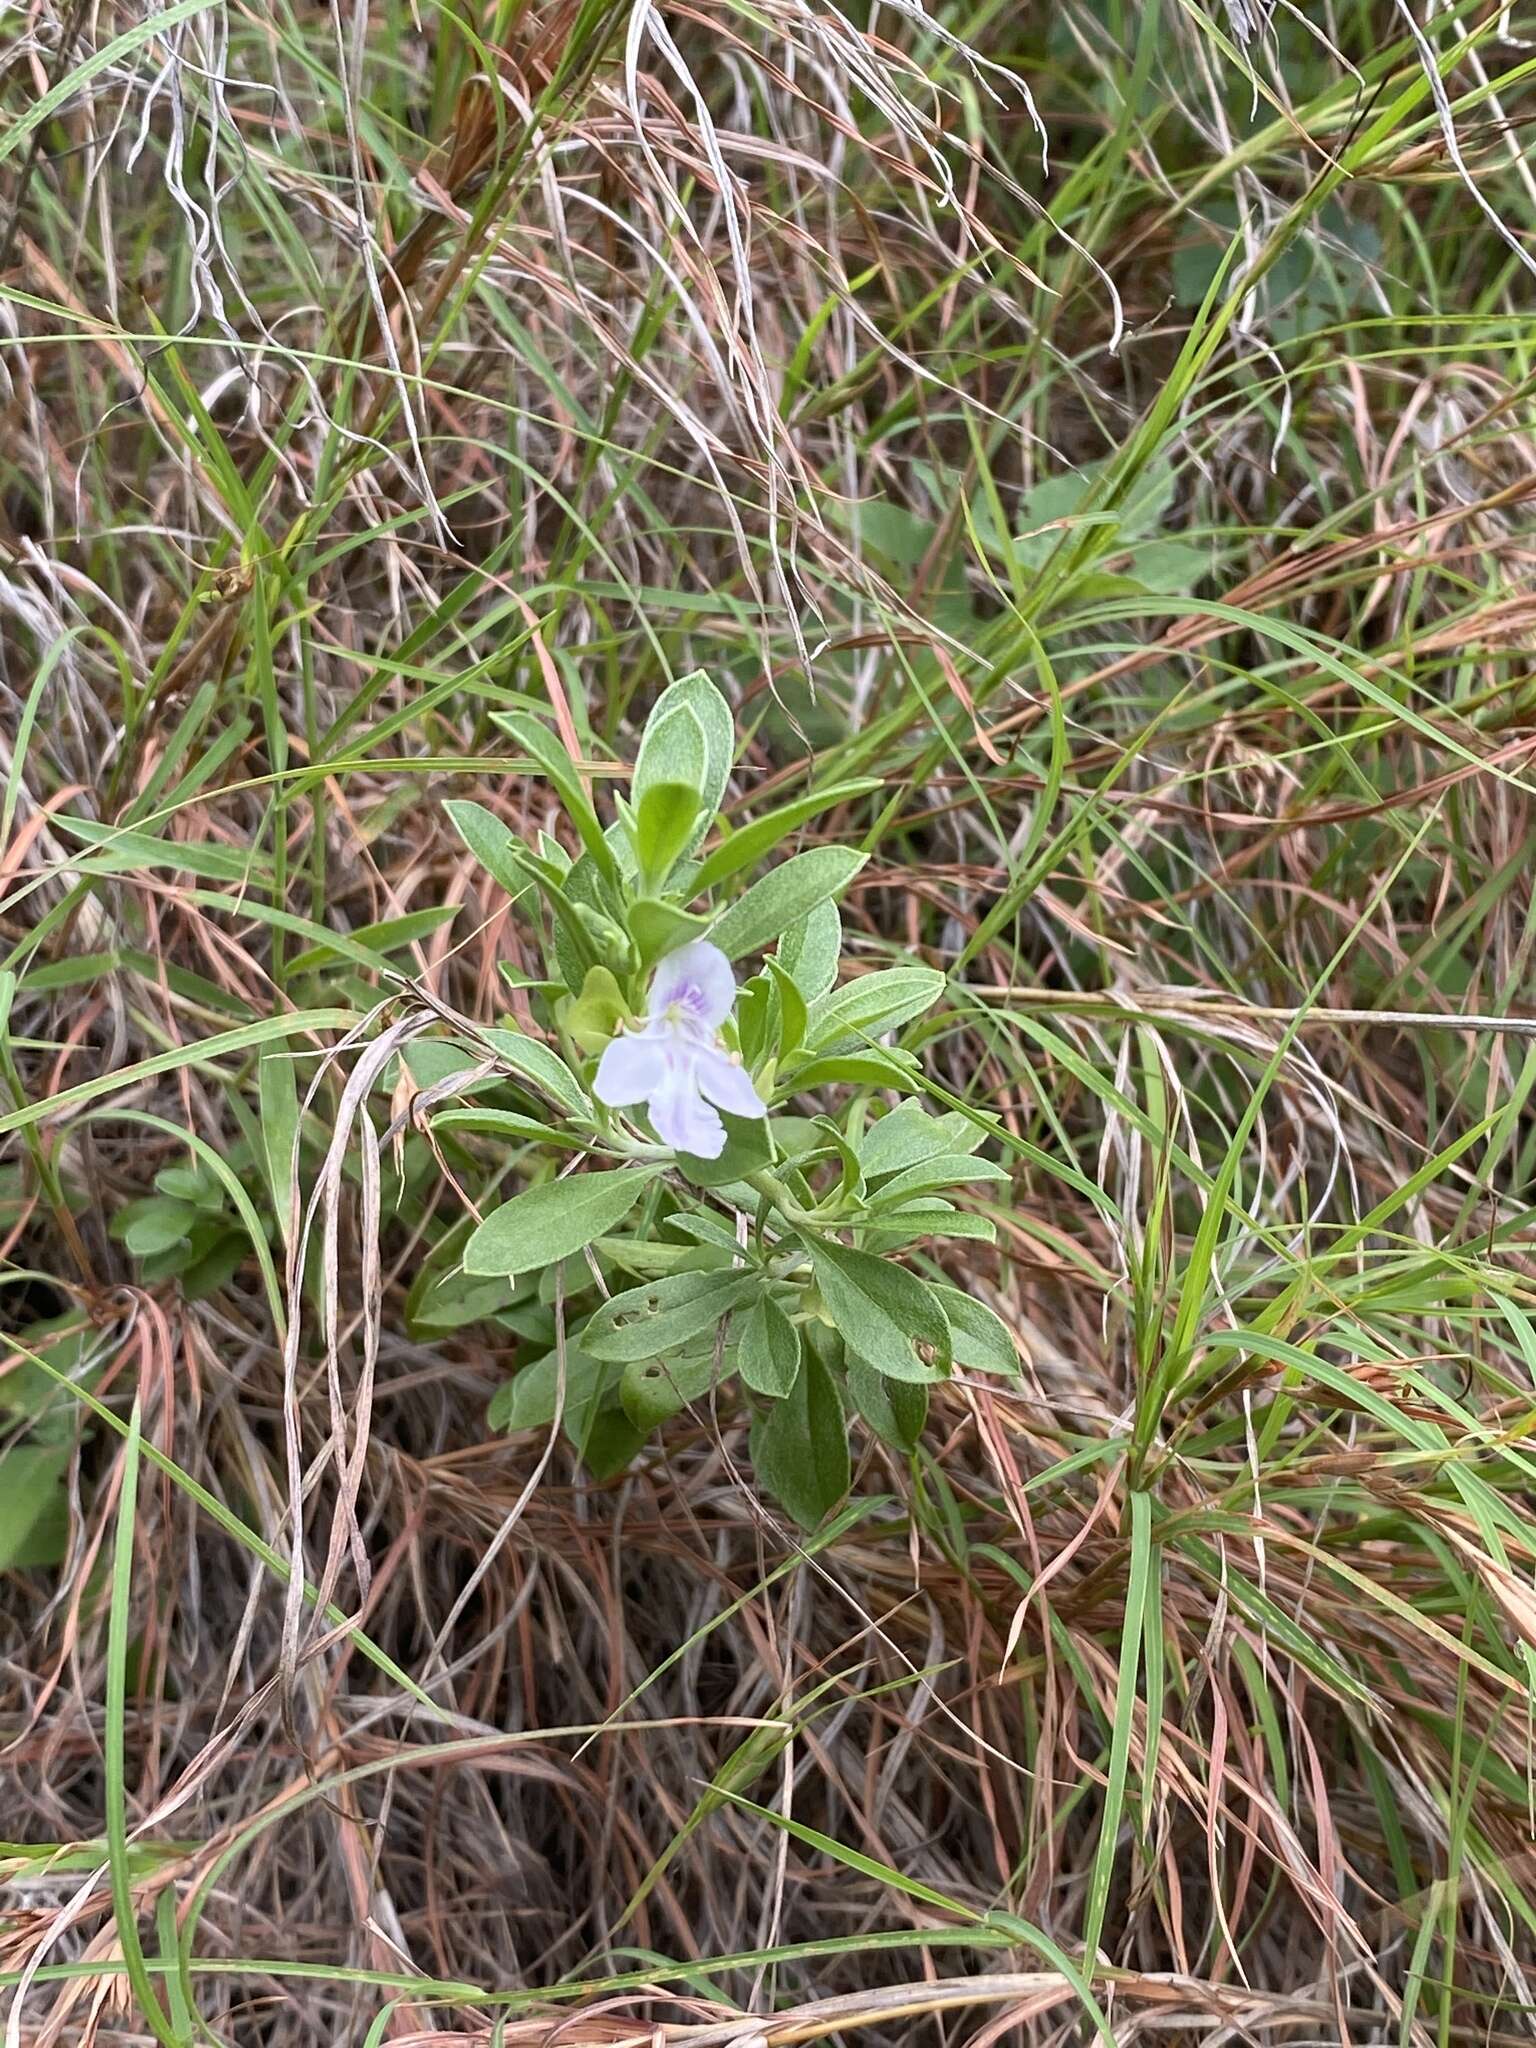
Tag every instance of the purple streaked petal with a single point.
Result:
(698, 979)
(729, 1085)
(683, 1119)
(631, 1069)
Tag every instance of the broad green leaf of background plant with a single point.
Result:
(33, 1511)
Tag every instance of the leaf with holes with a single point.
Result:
(654, 1321)
(654, 1389)
(884, 1314)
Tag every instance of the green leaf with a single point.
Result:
(673, 753)
(601, 1434)
(908, 1134)
(785, 894)
(697, 694)
(32, 1509)
(792, 1010)
(648, 1258)
(755, 1007)
(943, 1170)
(431, 1061)
(153, 1225)
(1169, 568)
(754, 842)
(768, 1349)
(926, 1217)
(548, 1223)
(214, 1257)
(596, 1014)
(883, 1312)
(190, 1185)
(506, 1123)
(982, 1341)
(648, 1322)
(495, 845)
(453, 1300)
(664, 820)
(748, 1149)
(545, 749)
(659, 928)
(894, 1409)
(848, 1017)
(800, 1446)
(881, 1066)
(1041, 515)
(30, 1390)
(901, 535)
(608, 1440)
(653, 1389)
(535, 1062)
(810, 950)
(529, 1399)
(587, 929)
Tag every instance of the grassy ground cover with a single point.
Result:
(1091, 449)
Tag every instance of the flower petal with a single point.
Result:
(633, 1067)
(698, 978)
(683, 1119)
(728, 1084)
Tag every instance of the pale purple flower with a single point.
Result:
(674, 1063)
